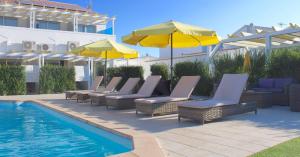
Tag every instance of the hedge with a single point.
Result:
(160, 69)
(284, 63)
(205, 85)
(125, 72)
(227, 63)
(12, 80)
(56, 79)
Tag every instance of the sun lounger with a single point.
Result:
(225, 102)
(128, 87)
(84, 95)
(164, 105)
(95, 85)
(127, 101)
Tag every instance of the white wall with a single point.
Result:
(14, 36)
(178, 52)
(143, 61)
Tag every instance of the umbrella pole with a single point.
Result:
(171, 65)
(105, 69)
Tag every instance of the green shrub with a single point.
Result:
(160, 69)
(205, 85)
(12, 80)
(227, 63)
(258, 66)
(56, 79)
(125, 72)
(284, 63)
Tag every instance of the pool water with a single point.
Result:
(28, 129)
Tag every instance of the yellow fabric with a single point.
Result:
(183, 36)
(100, 48)
(247, 63)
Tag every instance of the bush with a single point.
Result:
(228, 64)
(12, 80)
(205, 85)
(258, 66)
(125, 72)
(284, 63)
(56, 79)
(160, 69)
(99, 68)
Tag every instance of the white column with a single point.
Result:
(75, 23)
(32, 19)
(113, 25)
(211, 54)
(90, 72)
(268, 49)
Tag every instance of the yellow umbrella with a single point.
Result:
(173, 34)
(107, 49)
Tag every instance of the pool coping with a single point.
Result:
(141, 141)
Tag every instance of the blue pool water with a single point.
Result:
(28, 129)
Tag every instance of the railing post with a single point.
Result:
(268, 49)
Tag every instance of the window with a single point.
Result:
(87, 28)
(40, 24)
(8, 21)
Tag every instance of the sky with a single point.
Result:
(223, 16)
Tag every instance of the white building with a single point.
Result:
(38, 32)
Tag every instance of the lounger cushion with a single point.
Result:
(159, 100)
(74, 91)
(185, 86)
(103, 94)
(206, 103)
(127, 96)
(149, 85)
(113, 83)
(129, 86)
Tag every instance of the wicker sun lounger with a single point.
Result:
(225, 102)
(96, 83)
(127, 101)
(165, 105)
(128, 87)
(84, 95)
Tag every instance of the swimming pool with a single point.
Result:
(28, 129)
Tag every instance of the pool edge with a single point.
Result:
(141, 141)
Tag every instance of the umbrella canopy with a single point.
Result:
(106, 49)
(173, 34)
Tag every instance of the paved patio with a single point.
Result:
(238, 136)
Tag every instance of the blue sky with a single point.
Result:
(224, 16)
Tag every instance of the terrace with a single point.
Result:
(240, 135)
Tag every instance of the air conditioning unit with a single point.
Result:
(46, 47)
(29, 46)
(72, 44)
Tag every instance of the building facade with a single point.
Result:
(38, 32)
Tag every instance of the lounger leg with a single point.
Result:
(91, 102)
(179, 118)
(136, 112)
(255, 112)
